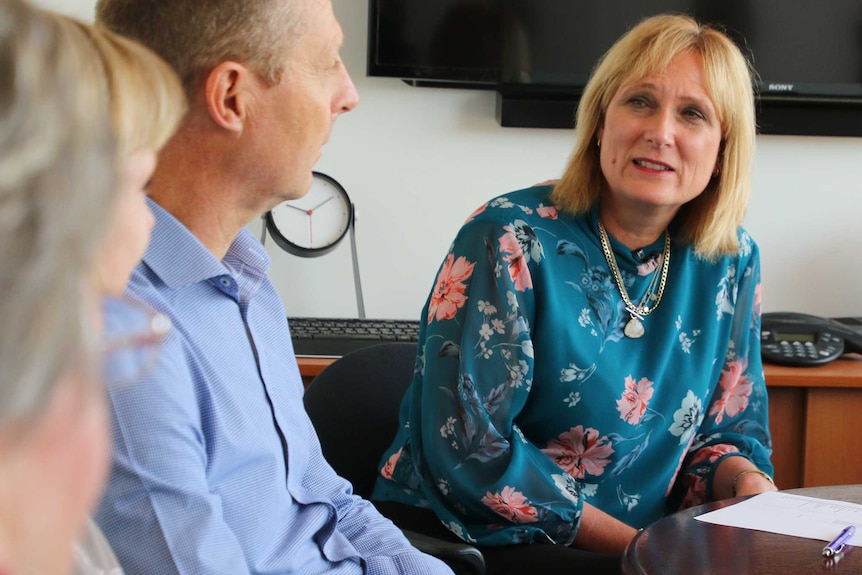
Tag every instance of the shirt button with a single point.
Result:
(227, 283)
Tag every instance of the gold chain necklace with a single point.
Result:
(634, 328)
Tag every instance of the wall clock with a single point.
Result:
(314, 224)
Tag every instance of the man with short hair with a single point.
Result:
(217, 468)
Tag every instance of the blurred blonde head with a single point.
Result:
(147, 101)
(147, 104)
(710, 221)
(57, 180)
(57, 188)
(80, 109)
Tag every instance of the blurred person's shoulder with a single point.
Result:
(93, 554)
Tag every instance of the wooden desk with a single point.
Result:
(812, 411)
(678, 544)
(310, 367)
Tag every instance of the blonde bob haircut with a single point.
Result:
(147, 98)
(710, 221)
(57, 188)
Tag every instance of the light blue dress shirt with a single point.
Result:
(217, 468)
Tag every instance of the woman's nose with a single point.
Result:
(660, 130)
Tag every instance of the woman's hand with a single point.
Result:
(752, 484)
(602, 533)
(737, 476)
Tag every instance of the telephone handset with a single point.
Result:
(799, 339)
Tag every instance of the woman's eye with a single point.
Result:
(639, 102)
(694, 114)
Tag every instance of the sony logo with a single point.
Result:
(780, 87)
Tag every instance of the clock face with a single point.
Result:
(313, 224)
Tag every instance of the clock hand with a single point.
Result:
(320, 204)
(295, 208)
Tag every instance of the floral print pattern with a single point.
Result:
(597, 285)
(511, 504)
(687, 418)
(580, 451)
(567, 486)
(736, 390)
(520, 248)
(633, 403)
(528, 400)
(448, 295)
(703, 459)
(390, 465)
(548, 211)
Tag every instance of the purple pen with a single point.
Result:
(837, 545)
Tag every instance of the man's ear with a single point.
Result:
(228, 93)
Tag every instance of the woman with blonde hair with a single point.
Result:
(590, 352)
(147, 103)
(57, 188)
(82, 113)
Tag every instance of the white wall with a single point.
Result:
(82, 9)
(417, 161)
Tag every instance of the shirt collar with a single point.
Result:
(622, 252)
(247, 256)
(179, 258)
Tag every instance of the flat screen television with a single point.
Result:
(538, 54)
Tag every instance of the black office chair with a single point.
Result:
(359, 396)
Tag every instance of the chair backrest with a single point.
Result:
(354, 406)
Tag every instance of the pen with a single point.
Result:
(837, 545)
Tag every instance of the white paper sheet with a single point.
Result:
(788, 514)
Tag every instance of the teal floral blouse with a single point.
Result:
(528, 400)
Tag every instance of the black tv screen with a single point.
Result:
(805, 52)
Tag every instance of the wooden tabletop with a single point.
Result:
(678, 544)
(312, 366)
(845, 372)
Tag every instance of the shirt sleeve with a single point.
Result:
(736, 421)
(383, 547)
(161, 515)
(487, 482)
(158, 512)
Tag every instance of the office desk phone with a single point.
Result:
(801, 340)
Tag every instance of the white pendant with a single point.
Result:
(634, 328)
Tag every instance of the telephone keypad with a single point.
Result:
(824, 347)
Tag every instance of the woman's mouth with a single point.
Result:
(652, 165)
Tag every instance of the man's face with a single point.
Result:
(294, 118)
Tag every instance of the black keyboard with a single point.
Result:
(334, 337)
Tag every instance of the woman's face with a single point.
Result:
(131, 223)
(52, 471)
(660, 139)
(63, 470)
